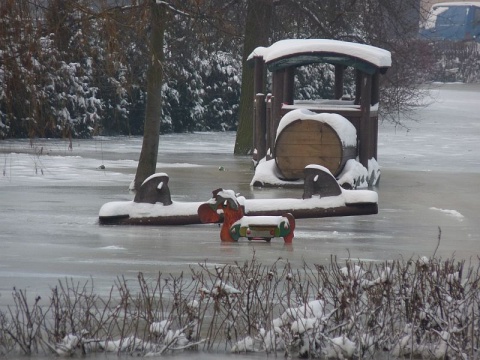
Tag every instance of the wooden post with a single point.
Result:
(339, 78)
(374, 121)
(259, 78)
(268, 131)
(375, 100)
(375, 88)
(366, 136)
(358, 86)
(259, 116)
(278, 78)
(289, 86)
(259, 131)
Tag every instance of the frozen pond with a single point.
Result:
(50, 197)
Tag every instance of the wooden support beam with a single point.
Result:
(358, 86)
(268, 127)
(375, 88)
(259, 115)
(375, 100)
(346, 210)
(259, 77)
(339, 79)
(366, 129)
(278, 79)
(374, 121)
(259, 133)
(289, 86)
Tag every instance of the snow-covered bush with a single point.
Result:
(455, 61)
(423, 307)
(223, 72)
(43, 92)
(317, 82)
(201, 90)
(73, 74)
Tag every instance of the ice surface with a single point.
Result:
(49, 222)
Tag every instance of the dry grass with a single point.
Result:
(418, 307)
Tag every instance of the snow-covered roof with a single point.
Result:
(297, 52)
(457, 3)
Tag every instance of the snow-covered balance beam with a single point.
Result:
(322, 197)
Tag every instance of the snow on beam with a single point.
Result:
(320, 204)
(333, 51)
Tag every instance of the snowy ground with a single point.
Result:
(50, 197)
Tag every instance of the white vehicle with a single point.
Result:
(456, 21)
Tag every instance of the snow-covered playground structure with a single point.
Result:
(333, 133)
(328, 146)
(322, 197)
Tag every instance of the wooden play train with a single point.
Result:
(297, 140)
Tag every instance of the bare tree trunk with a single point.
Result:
(148, 156)
(257, 32)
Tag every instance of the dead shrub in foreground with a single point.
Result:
(417, 308)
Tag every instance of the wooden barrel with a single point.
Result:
(309, 141)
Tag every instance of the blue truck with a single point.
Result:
(453, 21)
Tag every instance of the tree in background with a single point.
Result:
(153, 110)
(203, 67)
(120, 55)
(257, 33)
(389, 24)
(79, 67)
(159, 23)
(48, 65)
(411, 59)
(17, 40)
